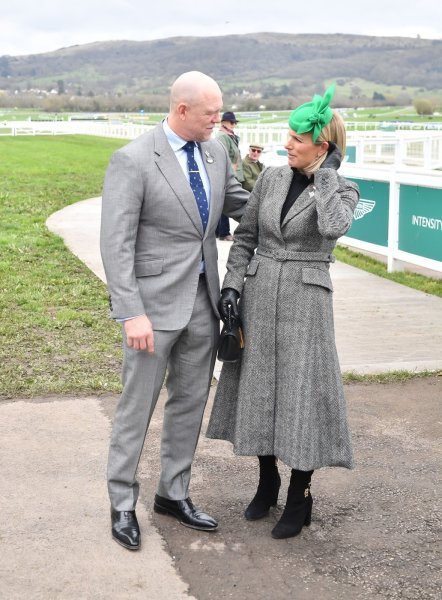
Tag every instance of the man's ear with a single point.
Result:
(182, 109)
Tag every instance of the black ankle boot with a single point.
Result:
(298, 509)
(268, 489)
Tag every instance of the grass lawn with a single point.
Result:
(55, 336)
(429, 285)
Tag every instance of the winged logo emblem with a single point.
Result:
(363, 207)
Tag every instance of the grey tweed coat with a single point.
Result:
(285, 396)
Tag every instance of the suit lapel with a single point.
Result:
(213, 173)
(167, 163)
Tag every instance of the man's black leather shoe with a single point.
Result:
(185, 512)
(125, 528)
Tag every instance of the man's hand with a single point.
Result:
(139, 333)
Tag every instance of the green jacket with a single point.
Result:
(230, 141)
(251, 172)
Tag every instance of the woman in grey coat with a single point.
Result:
(284, 399)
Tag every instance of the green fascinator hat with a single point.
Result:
(313, 116)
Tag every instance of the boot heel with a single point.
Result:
(258, 508)
(298, 508)
(308, 516)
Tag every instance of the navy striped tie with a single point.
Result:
(196, 184)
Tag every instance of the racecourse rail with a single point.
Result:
(399, 174)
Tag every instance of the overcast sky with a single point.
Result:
(34, 26)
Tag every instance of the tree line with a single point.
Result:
(159, 103)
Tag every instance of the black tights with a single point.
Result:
(269, 462)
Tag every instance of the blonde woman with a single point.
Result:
(284, 399)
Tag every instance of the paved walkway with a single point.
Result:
(55, 523)
(380, 325)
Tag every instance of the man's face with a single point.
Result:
(254, 153)
(202, 117)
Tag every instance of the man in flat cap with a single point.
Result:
(252, 166)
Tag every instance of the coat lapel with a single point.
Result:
(167, 163)
(280, 191)
(304, 200)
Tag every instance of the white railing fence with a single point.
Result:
(402, 220)
(405, 162)
(410, 148)
(100, 129)
(423, 149)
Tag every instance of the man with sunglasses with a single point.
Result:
(252, 167)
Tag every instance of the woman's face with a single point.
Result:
(302, 152)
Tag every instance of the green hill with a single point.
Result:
(254, 65)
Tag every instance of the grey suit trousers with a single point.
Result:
(188, 355)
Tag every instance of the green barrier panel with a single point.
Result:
(370, 219)
(420, 221)
(350, 154)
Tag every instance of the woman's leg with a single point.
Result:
(298, 508)
(268, 489)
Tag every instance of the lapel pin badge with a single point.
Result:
(209, 158)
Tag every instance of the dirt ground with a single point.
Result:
(375, 531)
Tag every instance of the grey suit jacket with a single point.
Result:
(152, 239)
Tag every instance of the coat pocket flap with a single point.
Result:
(317, 277)
(253, 267)
(146, 268)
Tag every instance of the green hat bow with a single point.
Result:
(313, 116)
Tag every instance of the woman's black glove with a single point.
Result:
(229, 297)
(334, 158)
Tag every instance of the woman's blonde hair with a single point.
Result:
(334, 132)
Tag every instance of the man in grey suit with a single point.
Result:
(159, 252)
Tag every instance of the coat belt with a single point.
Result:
(283, 255)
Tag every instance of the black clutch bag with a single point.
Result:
(231, 340)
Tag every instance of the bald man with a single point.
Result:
(163, 196)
